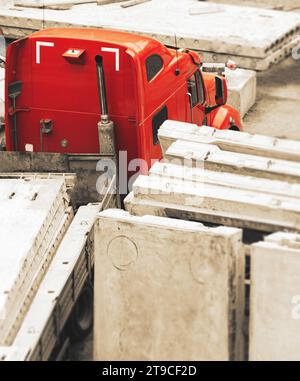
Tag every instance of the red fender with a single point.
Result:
(226, 117)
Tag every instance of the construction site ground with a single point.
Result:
(277, 110)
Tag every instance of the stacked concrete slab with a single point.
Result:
(213, 30)
(232, 141)
(272, 4)
(231, 180)
(51, 4)
(213, 204)
(203, 182)
(166, 289)
(224, 178)
(63, 4)
(275, 299)
(212, 157)
(57, 292)
(246, 181)
(35, 214)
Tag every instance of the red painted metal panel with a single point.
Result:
(58, 71)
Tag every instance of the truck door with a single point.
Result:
(196, 94)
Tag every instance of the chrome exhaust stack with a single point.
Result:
(106, 133)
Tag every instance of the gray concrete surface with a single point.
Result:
(274, 302)
(230, 141)
(178, 296)
(277, 111)
(272, 4)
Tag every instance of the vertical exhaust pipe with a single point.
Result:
(105, 126)
(102, 90)
(106, 132)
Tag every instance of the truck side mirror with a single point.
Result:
(221, 90)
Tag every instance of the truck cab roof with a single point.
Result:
(136, 43)
(54, 73)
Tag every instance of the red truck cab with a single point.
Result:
(52, 99)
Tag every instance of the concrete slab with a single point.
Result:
(291, 240)
(36, 330)
(233, 141)
(224, 179)
(35, 211)
(141, 206)
(275, 299)
(12, 352)
(105, 2)
(51, 4)
(238, 204)
(198, 31)
(241, 89)
(69, 178)
(258, 64)
(276, 112)
(211, 157)
(175, 286)
(271, 4)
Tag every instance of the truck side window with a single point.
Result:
(200, 86)
(154, 64)
(192, 89)
(196, 89)
(157, 121)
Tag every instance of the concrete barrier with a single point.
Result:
(58, 292)
(241, 89)
(275, 299)
(35, 216)
(211, 157)
(166, 289)
(224, 179)
(233, 141)
(214, 204)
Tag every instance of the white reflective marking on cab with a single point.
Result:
(39, 44)
(29, 147)
(116, 52)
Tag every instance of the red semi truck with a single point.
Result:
(61, 82)
(75, 97)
